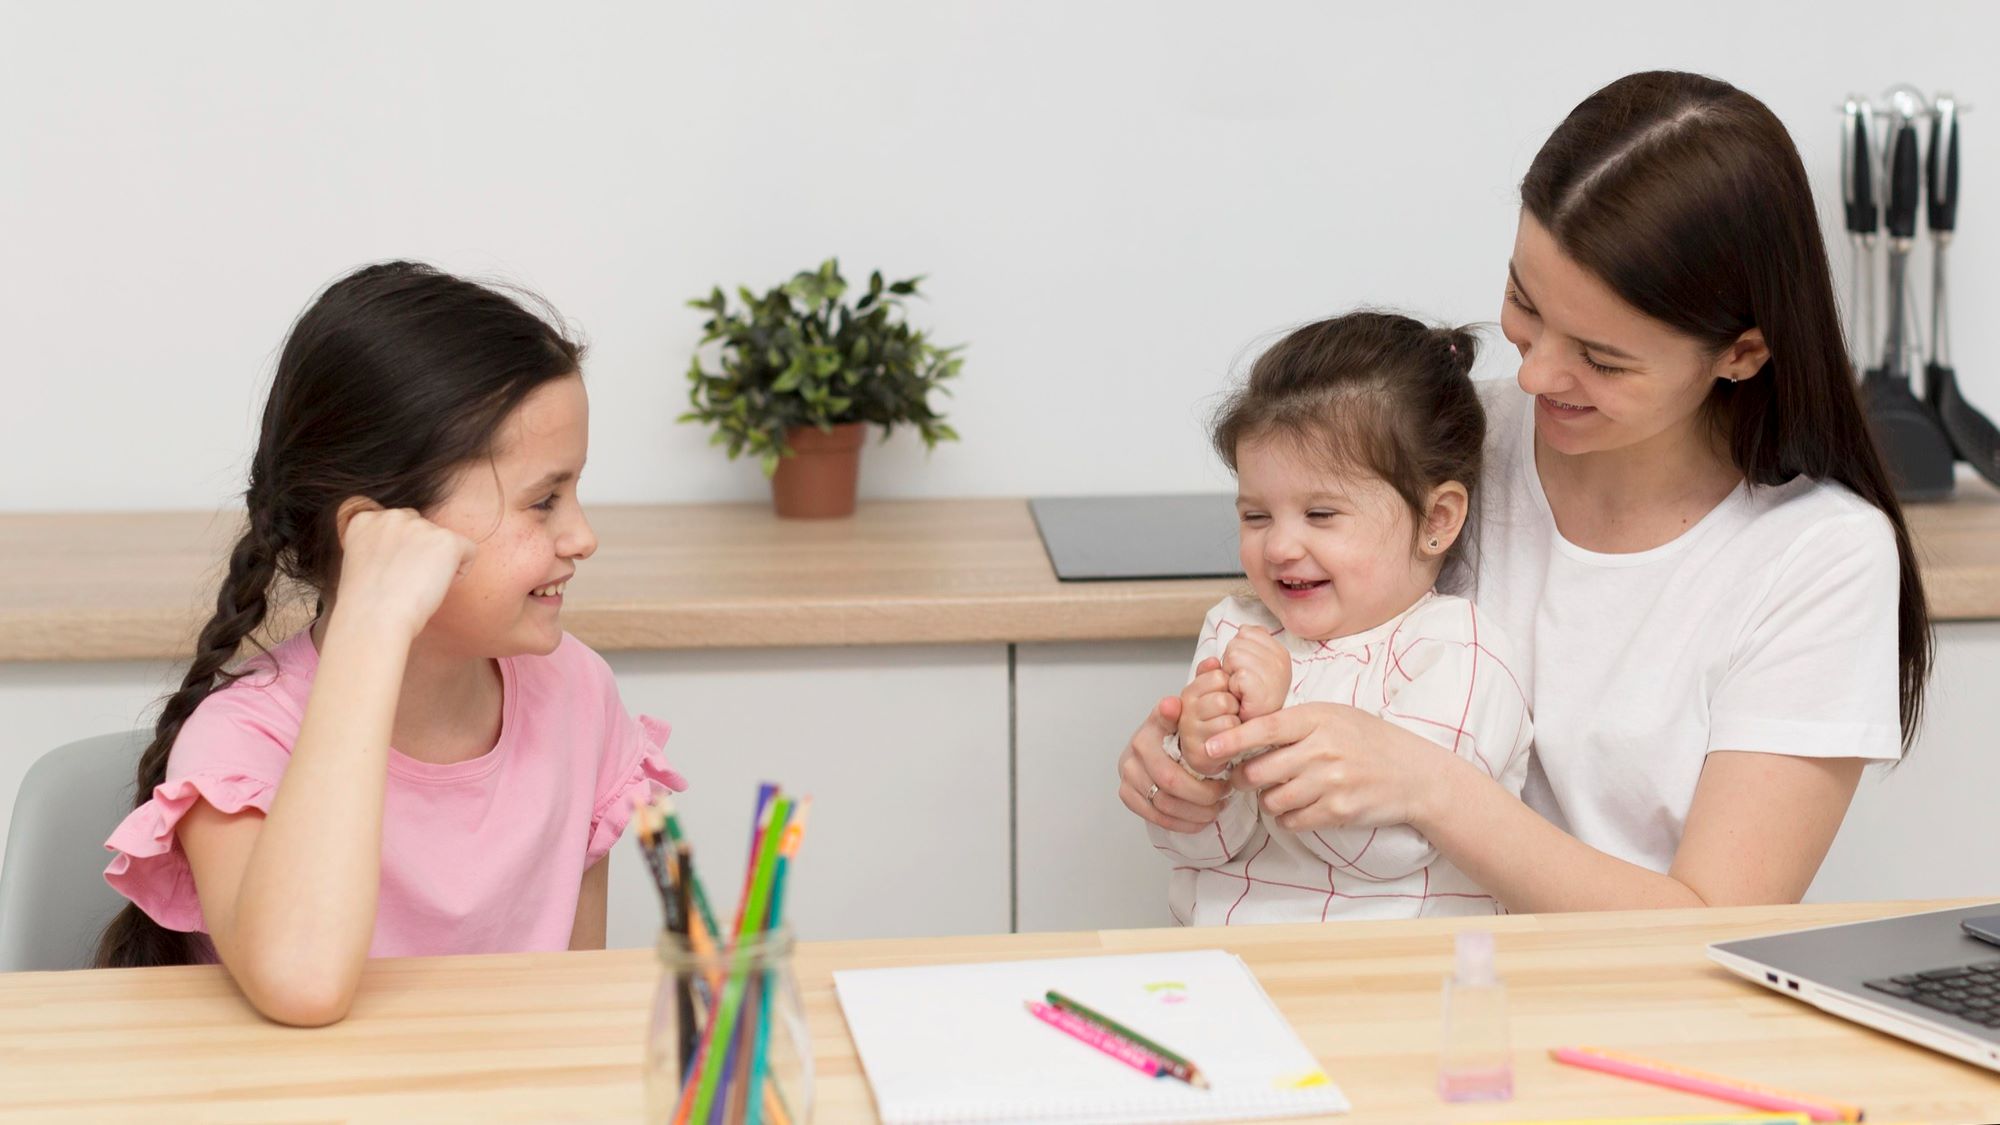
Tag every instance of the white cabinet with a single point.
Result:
(1084, 861)
(904, 750)
(1926, 828)
(935, 814)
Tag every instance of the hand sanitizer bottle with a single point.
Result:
(1475, 1065)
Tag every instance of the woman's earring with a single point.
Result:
(1433, 543)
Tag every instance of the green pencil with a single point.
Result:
(1175, 1065)
(752, 920)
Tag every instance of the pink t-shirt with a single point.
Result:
(481, 856)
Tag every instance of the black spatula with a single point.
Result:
(1973, 436)
(1912, 441)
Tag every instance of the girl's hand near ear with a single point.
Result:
(1260, 672)
(289, 896)
(395, 565)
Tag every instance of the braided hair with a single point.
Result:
(394, 377)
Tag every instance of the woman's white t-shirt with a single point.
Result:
(1770, 625)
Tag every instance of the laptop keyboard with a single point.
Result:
(1970, 992)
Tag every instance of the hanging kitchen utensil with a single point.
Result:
(1864, 215)
(1912, 441)
(1973, 436)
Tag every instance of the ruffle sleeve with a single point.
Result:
(643, 775)
(150, 868)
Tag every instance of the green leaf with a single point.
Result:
(790, 379)
(804, 288)
(805, 352)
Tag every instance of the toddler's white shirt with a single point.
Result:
(1440, 669)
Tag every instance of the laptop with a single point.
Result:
(1921, 977)
(1107, 538)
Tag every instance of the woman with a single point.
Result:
(1686, 528)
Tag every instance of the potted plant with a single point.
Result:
(801, 371)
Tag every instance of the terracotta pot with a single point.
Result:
(818, 482)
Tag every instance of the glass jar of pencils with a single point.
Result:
(728, 1040)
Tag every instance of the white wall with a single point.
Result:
(1114, 201)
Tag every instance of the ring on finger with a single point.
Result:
(1171, 747)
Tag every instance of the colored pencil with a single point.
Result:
(1090, 1033)
(675, 835)
(683, 982)
(1174, 1066)
(1749, 1117)
(750, 917)
(788, 849)
(648, 847)
(1696, 1082)
(725, 1012)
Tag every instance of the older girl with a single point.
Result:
(433, 766)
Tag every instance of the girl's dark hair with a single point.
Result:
(1368, 390)
(1688, 198)
(396, 376)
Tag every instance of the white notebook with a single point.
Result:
(956, 1042)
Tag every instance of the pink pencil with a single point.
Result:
(1118, 1047)
(1695, 1082)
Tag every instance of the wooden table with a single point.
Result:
(558, 1036)
(135, 586)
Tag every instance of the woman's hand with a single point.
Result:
(1156, 788)
(395, 565)
(1332, 766)
(1259, 671)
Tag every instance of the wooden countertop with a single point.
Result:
(558, 1036)
(134, 586)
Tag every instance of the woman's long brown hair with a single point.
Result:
(1688, 198)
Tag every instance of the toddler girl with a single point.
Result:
(1355, 444)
